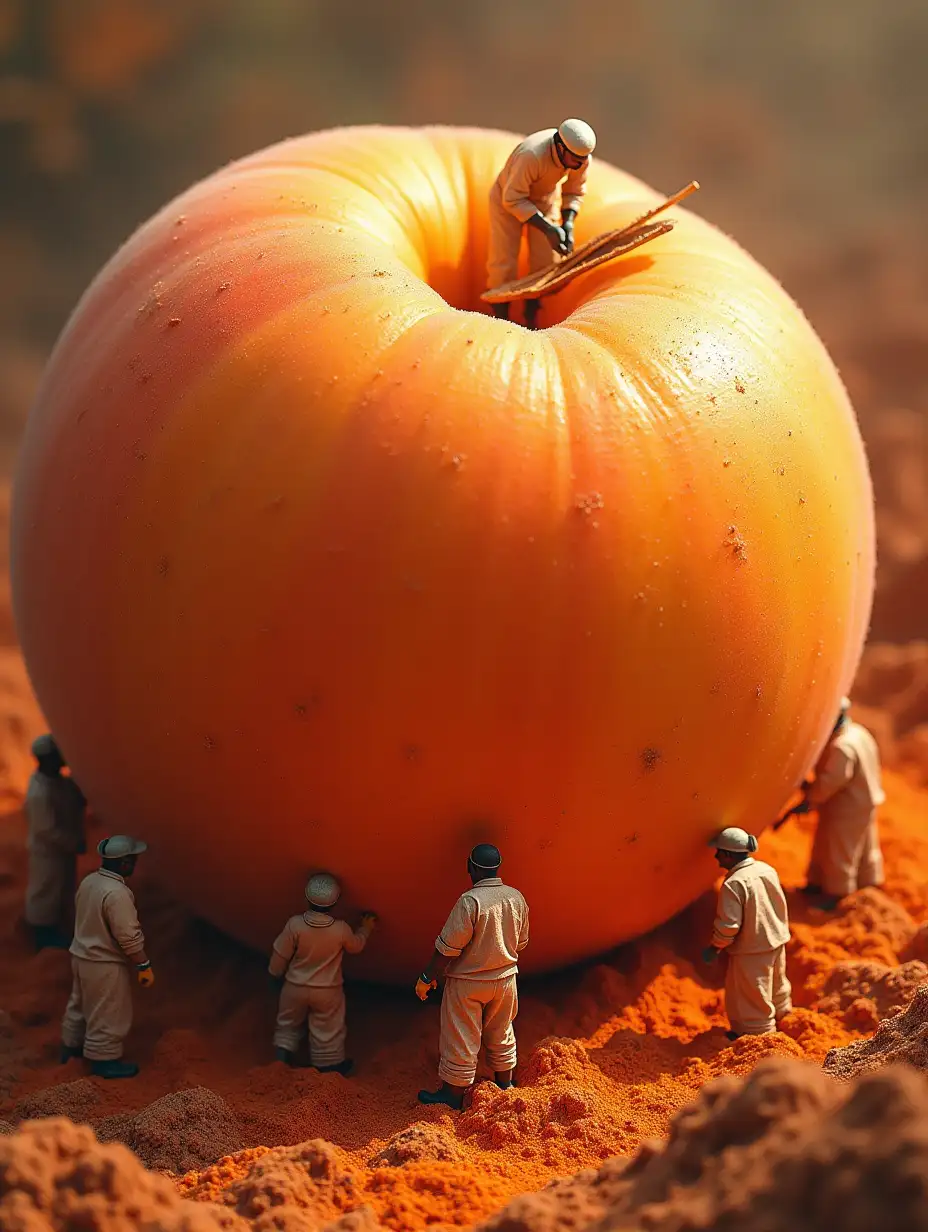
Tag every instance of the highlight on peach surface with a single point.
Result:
(315, 564)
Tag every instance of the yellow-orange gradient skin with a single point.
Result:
(316, 564)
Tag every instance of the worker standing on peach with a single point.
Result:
(54, 809)
(107, 939)
(846, 792)
(528, 191)
(752, 924)
(479, 950)
(306, 967)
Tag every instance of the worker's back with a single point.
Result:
(486, 931)
(764, 914)
(865, 787)
(536, 147)
(313, 945)
(54, 809)
(532, 176)
(106, 925)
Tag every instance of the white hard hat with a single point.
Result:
(578, 137)
(734, 839)
(322, 890)
(45, 746)
(845, 705)
(118, 846)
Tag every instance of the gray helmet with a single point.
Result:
(322, 890)
(45, 746)
(118, 846)
(734, 839)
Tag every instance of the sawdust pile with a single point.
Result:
(181, 1132)
(902, 1038)
(55, 1175)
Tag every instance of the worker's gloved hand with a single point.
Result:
(803, 806)
(369, 919)
(567, 222)
(557, 238)
(145, 975)
(709, 955)
(424, 986)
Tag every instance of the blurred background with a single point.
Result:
(805, 123)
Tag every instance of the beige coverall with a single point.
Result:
(106, 937)
(55, 818)
(529, 183)
(484, 934)
(753, 925)
(309, 951)
(846, 792)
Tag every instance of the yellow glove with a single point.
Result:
(424, 986)
(145, 975)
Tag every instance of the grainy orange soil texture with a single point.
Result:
(609, 1052)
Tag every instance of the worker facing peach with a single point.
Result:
(846, 792)
(108, 940)
(538, 194)
(752, 928)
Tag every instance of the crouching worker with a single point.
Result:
(752, 924)
(478, 949)
(108, 941)
(306, 966)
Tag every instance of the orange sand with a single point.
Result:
(609, 1051)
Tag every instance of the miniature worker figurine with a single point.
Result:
(54, 811)
(107, 941)
(478, 949)
(846, 792)
(306, 966)
(752, 924)
(528, 192)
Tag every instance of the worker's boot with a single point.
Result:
(69, 1052)
(48, 937)
(828, 902)
(501, 311)
(288, 1057)
(343, 1067)
(812, 890)
(113, 1069)
(505, 1079)
(531, 312)
(451, 1097)
(732, 1035)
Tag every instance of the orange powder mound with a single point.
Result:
(785, 1149)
